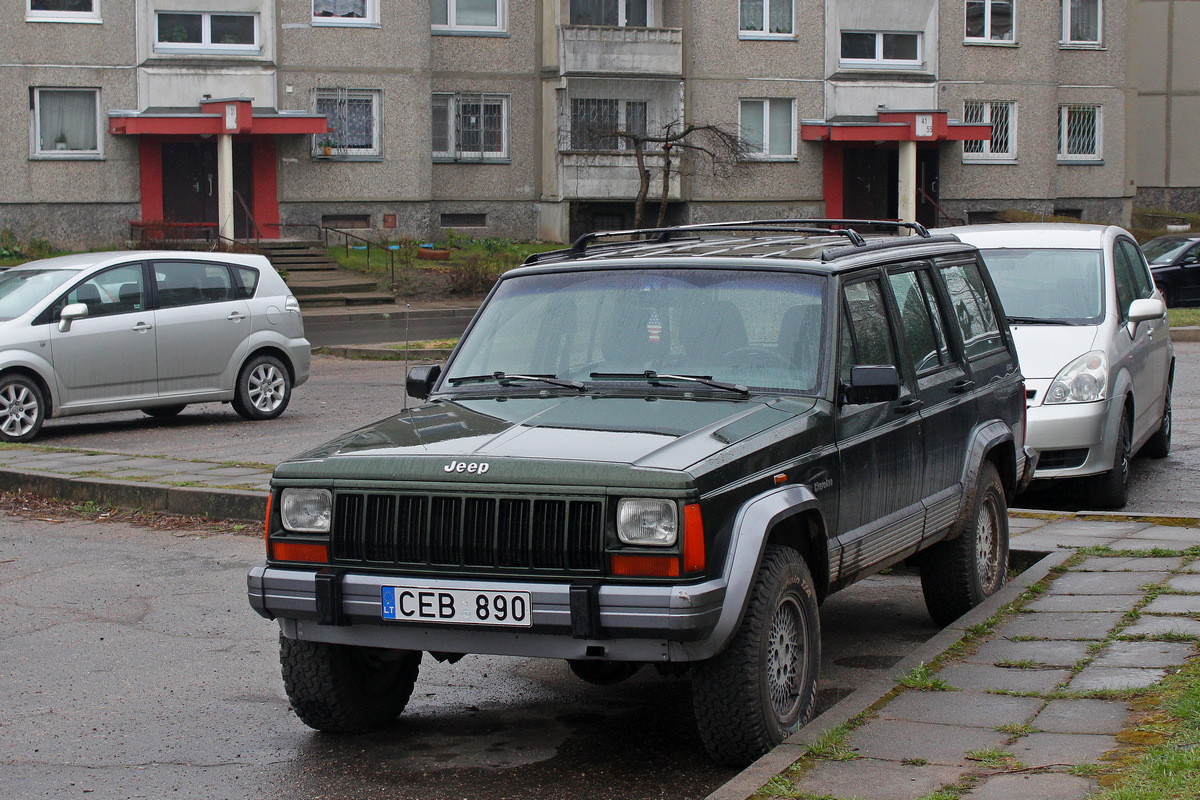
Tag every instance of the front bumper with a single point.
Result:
(1061, 432)
(614, 622)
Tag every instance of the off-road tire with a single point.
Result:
(264, 389)
(1159, 445)
(763, 686)
(959, 574)
(1110, 490)
(164, 412)
(345, 689)
(22, 408)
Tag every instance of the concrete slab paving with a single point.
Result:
(983, 677)
(1153, 544)
(1085, 602)
(1185, 583)
(1046, 653)
(1130, 564)
(1174, 604)
(1191, 536)
(1044, 786)
(1108, 583)
(1082, 716)
(1043, 541)
(1092, 677)
(1144, 654)
(948, 745)
(1060, 625)
(1151, 625)
(969, 708)
(1089, 527)
(1045, 749)
(871, 779)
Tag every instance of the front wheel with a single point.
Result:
(263, 390)
(22, 409)
(763, 686)
(959, 574)
(340, 688)
(1159, 445)
(1111, 489)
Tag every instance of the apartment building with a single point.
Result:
(522, 118)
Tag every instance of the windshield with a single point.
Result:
(20, 289)
(755, 329)
(1048, 284)
(1163, 251)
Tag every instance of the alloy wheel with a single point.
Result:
(18, 410)
(266, 387)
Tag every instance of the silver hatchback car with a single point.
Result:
(155, 331)
(1093, 343)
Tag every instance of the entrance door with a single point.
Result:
(869, 176)
(189, 175)
(927, 185)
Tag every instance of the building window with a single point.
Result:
(767, 128)
(66, 123)
(353, 116)
(766, 19)
(62, 10)
(470, 127)
(469, 16)
(596, 123)
(345, 12)
(613, 13)
(881, 48)
(1080, 133)
(190, 32)
(1082, 21)
(1002, 116)
(989, 21)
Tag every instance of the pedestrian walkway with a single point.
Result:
(1023, 698)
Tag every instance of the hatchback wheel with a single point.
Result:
(1111, 489)
(1159, 445)
(22, 409)
(264, 388)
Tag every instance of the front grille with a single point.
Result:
(1062, 459)
(480, 532)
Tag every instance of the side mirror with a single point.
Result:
(1145, 309)
(877, 383)
(421, 379)
(69, 314)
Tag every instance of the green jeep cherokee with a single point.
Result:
(663, 448)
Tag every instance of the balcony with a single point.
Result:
(609, 176)
(603, 50)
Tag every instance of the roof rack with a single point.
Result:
(808, 227)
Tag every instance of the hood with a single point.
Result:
(1043, 350)
(575, 440)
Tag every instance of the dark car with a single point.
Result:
(665, 450)
(1175, 263)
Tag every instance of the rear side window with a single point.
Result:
(923, 334)
(973, 309)
(866, 338)
(183, 283)
(247, 280)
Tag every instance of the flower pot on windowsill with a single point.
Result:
(327, 151)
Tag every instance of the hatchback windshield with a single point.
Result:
(1163, 251)
(21, 288)
(1048, 284)
(758, 329)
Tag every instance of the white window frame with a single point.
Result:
(1064, 132)
(452, 25)
(1066, 26)
(746, 33)
(349, 153)
(988, 155)
(765, 120)
(370, 18)
(35, 147)
(38, 15)
(879, 61)
(623, 14)
(454, 103)
(987, 37)
(207, 45)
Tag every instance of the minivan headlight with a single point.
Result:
(646, 521)
(306, 510)
(1084, 380)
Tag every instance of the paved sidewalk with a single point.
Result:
(1019, 705)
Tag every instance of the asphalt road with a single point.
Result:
(131, 666)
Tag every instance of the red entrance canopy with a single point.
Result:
(234, 116)
(896, 126)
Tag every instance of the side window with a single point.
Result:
(247, 282)
(183, 283)
(973, 309)
(1123, 278)
(1142, 284)
(866, 338)
(923, 336)
(113, 291)
(1192, 257)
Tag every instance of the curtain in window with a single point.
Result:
(480, 13)
(1085, 20)
(752, 15)
(781, 127)
(340, 8)
(352, 120)
(752, 125)
(67, 117)
(441, 124)
(781, 16)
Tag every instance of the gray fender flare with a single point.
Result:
(983, 441)
(754, 521)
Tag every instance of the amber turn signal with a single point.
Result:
(645, 566)
(299, 551)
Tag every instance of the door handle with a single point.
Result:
(911, 404)
(235, 316)
(962, 386)
(142, 327)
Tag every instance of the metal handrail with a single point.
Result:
(249, 215)
(941, 211)
(323, 232)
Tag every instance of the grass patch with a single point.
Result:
(922, 677)
(995, 758)
(832, 746)
(1025, 663)
(1016, 729)
(1183, 317)
(428, 344)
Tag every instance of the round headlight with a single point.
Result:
(306, 510)
(644, 521)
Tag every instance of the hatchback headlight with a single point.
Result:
(306, 510)
(1084, 380)
(643, 521)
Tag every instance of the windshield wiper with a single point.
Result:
(657, 378)
(1039, 321)
(506, 379)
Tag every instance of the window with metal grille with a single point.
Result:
(596, 123)
(1002, 116)
(470, 127)
(1082, 21)
(353, 116)
(989, 21)
(1079, 133)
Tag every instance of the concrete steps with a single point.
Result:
(319, 281)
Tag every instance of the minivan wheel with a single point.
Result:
(1111, 489)
(339, 688)
(263, 388)
(22, 409)
(1159, 445)
(763, 686)
(958, 574)
(164, 412)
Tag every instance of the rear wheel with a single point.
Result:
(22, 409)
(763, 686)
(163, 412)
(1111, 489)
(958, 574)
(263, 388)
(345, 689)
(1159, 445)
